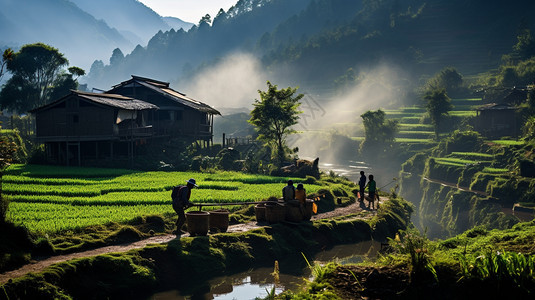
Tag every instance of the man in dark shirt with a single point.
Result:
(288, 192)
(372, 188)
(180, 196)
(362, 186)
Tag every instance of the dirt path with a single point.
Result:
(40, 264)
(453, 185)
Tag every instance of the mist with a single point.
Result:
(328, 123)
(233, 82)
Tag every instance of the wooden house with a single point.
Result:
(88, 126)
(178, 115)
(497, 120)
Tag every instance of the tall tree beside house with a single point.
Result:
(273, 116)
(36, 69)
(438, 104)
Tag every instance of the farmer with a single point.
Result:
(288, 192)
(180, 196)
(362, 186)
(301, 194)
(371, 191)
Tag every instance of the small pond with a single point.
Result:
(257, 282)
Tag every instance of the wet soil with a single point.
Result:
(40, 264)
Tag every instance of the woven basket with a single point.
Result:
(219, 220)
(275, 213)
(260, 212)
(293, 211)
(198, 222)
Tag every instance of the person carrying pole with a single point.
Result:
(180, 197)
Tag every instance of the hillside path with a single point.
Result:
(453, 185)
(40, 264)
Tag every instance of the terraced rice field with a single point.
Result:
(52, 199)
(463, 159)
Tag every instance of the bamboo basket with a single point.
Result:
(218, 220)
(275, 213)
(198, 222)
(260, 212)
(293, 212)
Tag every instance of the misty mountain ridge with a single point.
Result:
(312, 43)
(131, 17)
(82, 30)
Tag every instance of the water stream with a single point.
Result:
(257, 282)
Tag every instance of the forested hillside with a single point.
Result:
(314, 42)
(83, 30)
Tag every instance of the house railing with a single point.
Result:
(136, 131)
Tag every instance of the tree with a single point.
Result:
(7, 56)
(379, 132)
(448, 79)
(438, 104)
(206, 19)
(35, 68)
(76, 71)
(525, 46)
(273, 115)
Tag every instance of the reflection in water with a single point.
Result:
(257, 282)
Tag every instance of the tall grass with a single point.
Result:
(501, 268)
(411, 242)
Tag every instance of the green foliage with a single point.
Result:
(35, 69)
(447, 79)
(438, 104)
(6, 57)
(273, 115)
(525, 46)
(380, 132)
(416, 245)
(503, 271)
(53, 199)
(529, 129)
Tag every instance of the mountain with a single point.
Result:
(314, 43)
(168, 54)
(176, 23)
(61, 24)
(131, 18)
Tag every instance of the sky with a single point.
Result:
(188, 10)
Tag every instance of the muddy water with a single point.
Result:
(257, 282)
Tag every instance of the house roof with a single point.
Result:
(164, 89)
(496, 106)
(112, 100)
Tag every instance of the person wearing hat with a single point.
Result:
(180, 196)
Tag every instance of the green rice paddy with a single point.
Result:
(51, 199)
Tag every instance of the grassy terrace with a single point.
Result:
(52, 199)
(463, 159)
